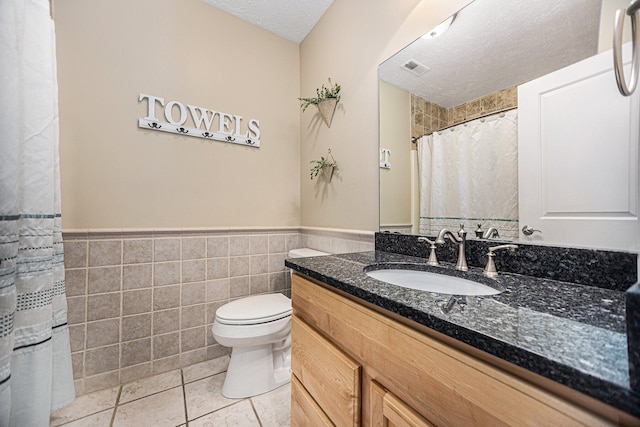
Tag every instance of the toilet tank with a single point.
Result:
(305, 252)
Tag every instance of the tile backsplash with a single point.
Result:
(143, 302)
(591, 267)
(428, 117)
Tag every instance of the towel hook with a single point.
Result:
(632, 11)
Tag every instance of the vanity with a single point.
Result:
(550, 347)
(541, 352)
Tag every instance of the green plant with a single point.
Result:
(333, 91)
(318, 165)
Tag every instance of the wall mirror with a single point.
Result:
(451, 112)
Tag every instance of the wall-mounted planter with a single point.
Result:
(326, 165)
(326, 101)
(327, 171)
(327, 107)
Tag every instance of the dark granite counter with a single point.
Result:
(570, 333)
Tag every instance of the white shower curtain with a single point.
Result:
(35, 358)
(469, 174)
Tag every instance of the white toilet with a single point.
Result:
(258, 328)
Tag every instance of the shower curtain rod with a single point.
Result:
(493, 113)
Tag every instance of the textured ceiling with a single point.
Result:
(290, 19)
(496, 44)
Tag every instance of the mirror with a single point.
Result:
(467, 71)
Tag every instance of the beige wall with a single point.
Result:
(395, 183)
(115, 175)
(348, 43)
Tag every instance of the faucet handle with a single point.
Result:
(433, 259)
(462, 233)
(490, 269)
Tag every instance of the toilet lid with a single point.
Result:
(255, 309)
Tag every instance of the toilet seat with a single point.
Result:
(254, 310)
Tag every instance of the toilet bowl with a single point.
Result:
(258, 329)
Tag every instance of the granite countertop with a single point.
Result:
(572, 334)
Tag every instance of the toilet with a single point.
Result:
(258, 330)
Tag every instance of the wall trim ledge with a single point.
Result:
(105, 233)
(117, 233)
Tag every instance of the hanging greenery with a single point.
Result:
(326, 165)
(333, 91)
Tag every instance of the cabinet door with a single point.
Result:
(388, 410)
(577, 157)
(330, 376)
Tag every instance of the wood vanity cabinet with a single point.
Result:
(354, 364)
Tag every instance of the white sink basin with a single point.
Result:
(432, 282)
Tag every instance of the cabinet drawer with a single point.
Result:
(387, 410)
(305, 412)
(331, 377)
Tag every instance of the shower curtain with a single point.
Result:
(35, 359)
(469, 175)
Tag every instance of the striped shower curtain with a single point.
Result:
(35, 359)
(469, 174)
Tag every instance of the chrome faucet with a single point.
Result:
(433, 259)
(461, 240)
(491, 232)
(490, 269)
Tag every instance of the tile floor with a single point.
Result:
(187, 397)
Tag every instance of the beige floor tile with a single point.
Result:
(274, 408)
(84, 405)
(164, 409)
(148, 386)
(159, 401)
(204, 396)
(240, 414)
(101, 419)
(205, 369)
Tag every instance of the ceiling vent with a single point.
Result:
(415, 67)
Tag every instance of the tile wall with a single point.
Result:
(427, 117)
(143, 302)
(335, 241)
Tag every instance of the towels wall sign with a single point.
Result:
(199, 122)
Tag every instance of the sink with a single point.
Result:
(432, 282)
